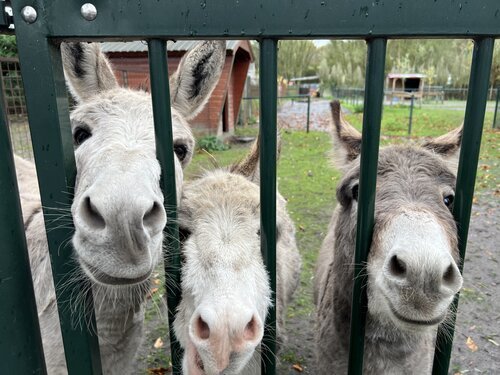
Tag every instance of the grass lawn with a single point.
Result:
(308, 181)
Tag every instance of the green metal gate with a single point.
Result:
(41, 25)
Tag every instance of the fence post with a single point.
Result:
(20, 339)
(469, 155)
(496, 109)
(160, 91)
(372, 116)
(268, 144)
(411, 113)
(309, 111)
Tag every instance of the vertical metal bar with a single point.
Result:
(308, 112)
(372, 116)
(268, 143)
(469, 156)
(47, 105)
(160, 93)
(496, 109)
(20, 340)
(4, 97)
(412, 103)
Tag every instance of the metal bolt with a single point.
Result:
(29, 14)
(88, 11)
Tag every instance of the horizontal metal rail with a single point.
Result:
(279, 97)
(195, 19)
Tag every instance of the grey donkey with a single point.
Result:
(117, 209)
(225, 286)
(412, 265)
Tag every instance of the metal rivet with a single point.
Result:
(88, 11)
(29, 14)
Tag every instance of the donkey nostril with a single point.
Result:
(92, 215)
(251, 329)
(154, 218)
(449, 275)
(397, 266)
(202, 329)
(153, 215)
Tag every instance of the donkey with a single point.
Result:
(412, 265)
(117, 209)
(225, 286)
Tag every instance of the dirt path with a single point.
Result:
(293, 115)
(479, 309)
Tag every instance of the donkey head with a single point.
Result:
(225, 286)
(118, 205)
(412, 265)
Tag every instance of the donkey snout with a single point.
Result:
(224, 334)
(129, 222)
(98, 212)
(429, 273)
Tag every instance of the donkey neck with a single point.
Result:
(118, 310)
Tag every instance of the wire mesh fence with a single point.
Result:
(15, 107)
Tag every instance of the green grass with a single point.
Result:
(307, 181)
(435, 122)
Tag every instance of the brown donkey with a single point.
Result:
(412, 265)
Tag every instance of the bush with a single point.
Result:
(212, 143)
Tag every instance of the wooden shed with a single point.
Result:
(130, 61)
(404, 86)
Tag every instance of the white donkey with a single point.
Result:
(412, 265)
(225, 286)
(118, 205)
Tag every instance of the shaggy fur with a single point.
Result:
(223, 269)
(410, 181)
(118, 205)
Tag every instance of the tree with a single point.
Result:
(297, 58)
(343, 63)
(445, 62)
(8, 46)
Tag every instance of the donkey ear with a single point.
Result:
(249, 166)
(346, 139)
(448, 145)
(196, 77)
(87, 70)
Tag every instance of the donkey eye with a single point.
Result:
(355, 191)
(184, 234)
(181, 151)
(448, 200)
(81, 135)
